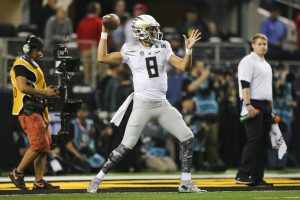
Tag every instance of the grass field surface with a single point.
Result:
(255, 195)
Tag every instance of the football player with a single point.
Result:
(147, 59)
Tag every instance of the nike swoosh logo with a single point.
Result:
(40, 185)
(15, 177)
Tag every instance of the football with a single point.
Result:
(111, 21)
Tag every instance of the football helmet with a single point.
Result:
(146, 28)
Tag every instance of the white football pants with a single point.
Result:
(162, 111)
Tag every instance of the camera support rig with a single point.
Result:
(66, 68)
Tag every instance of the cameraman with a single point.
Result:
(29, 91)
(81, 145)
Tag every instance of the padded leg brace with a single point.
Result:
(115, 157)
(186, 155)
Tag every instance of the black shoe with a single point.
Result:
(17, 180)
(261, 183)
(243, 180)
(44, 185)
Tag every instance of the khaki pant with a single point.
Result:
(87, 62)
(211, 142)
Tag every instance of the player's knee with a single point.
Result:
(191, 137)
(129, 142)
(187, 136)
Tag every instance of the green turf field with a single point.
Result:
(163, 196)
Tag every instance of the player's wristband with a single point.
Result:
(188, 52)
(104, 35)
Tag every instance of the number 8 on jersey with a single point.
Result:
(152, 69)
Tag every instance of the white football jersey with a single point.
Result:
(148, 66)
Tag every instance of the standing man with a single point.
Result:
(276, 31)
(274, 28)
(29, 91)
(147, 58)
(255, 89)
(58, 28)
(88, 31)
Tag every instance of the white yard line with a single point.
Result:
(137, 177)
(295, 197)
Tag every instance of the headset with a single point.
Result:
(27, 47)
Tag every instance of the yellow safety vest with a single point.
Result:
(38, 84)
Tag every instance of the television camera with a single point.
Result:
(66, 67)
